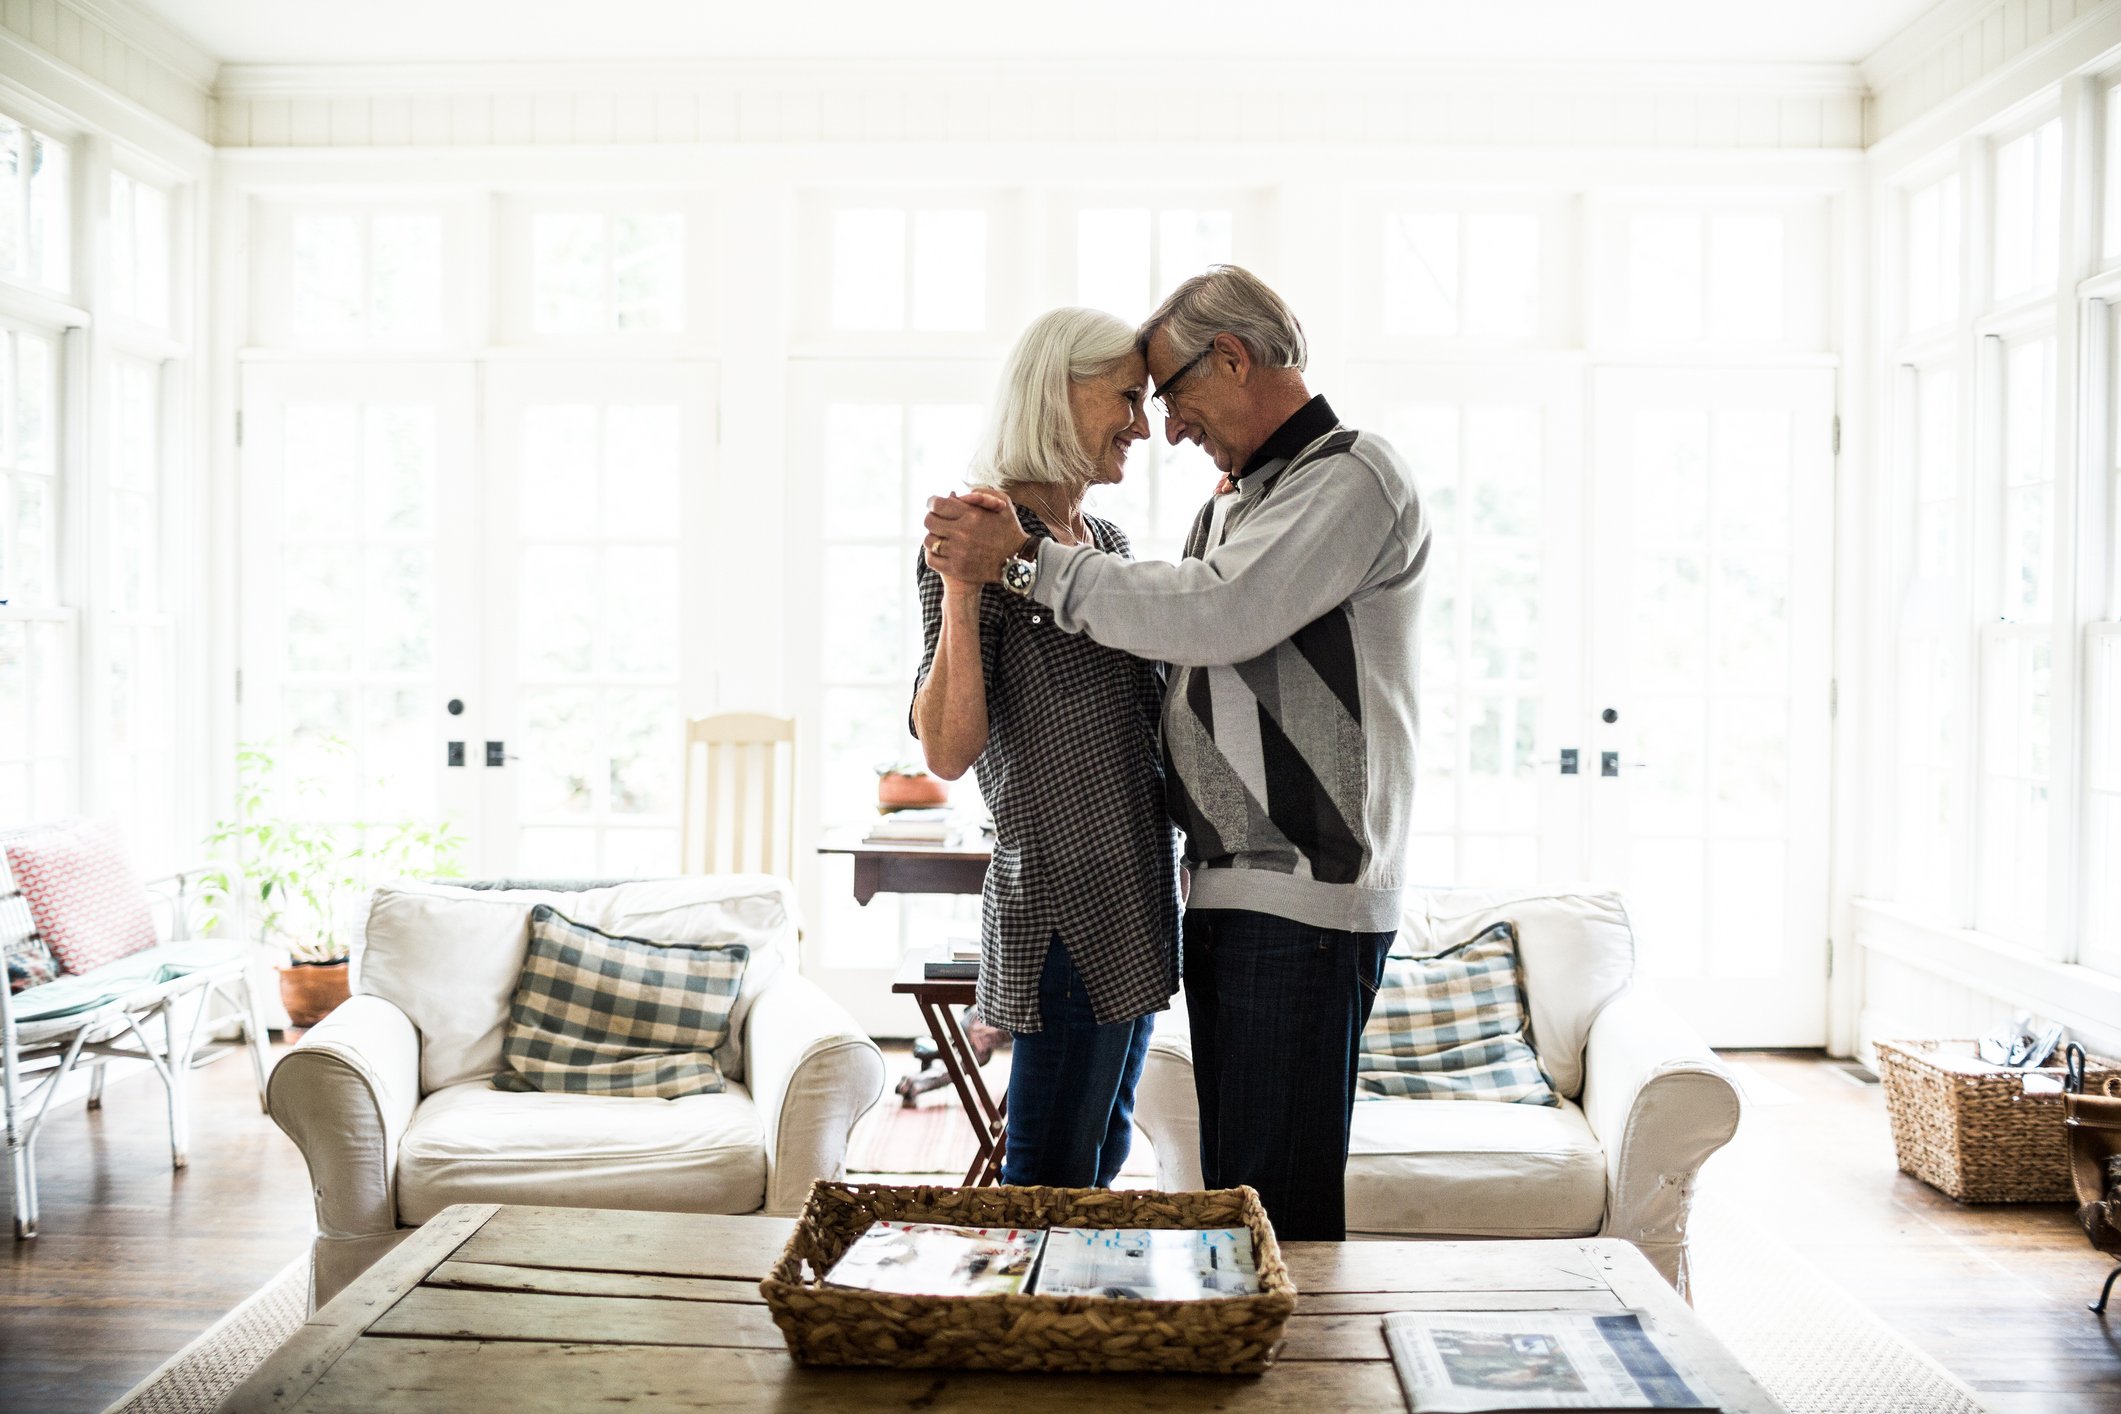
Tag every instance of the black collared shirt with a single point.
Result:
(1306, 425)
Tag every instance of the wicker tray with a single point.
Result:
(827, 1325)
(1969, 1130)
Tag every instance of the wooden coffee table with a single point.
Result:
(533, 1309)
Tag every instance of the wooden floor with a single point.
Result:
(135, 1260)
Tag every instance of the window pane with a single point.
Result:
(940, 441)
(2028, 211)
(1502, 275)
(648, 272)
(1112, 261)
(641, 608)
(868, 269)
(560, 459)
(398, 455)
(567, 273)
(1745, 277)
(49, 198)
(949, 270)
(1188, 242)
(864, 454)
(328, 278)
(1421, 273)
(1664, 277)
(641, 497)
(868, 598)
(405, 277)
(1933, 254)
(13, 218)
(2028, 475)
(647, 752)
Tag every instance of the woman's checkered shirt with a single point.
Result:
(1074, 774)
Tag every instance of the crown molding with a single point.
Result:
(139, 30)
(247, 81)
(1921, 37)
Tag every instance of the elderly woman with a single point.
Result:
(1080, 920)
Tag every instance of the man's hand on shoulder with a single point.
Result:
(971, 536)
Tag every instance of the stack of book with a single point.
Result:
(959, 962)
(931, 825)
(1139, 1264)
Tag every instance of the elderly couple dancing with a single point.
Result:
(1259, 695)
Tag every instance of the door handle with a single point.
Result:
(497, 753)
(1567, 761)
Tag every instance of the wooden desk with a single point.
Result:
(939, 1001)
(525, 1310)
(910, 868)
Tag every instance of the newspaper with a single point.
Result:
(1147, 1264)
(933, 1259)
(1484, 1362)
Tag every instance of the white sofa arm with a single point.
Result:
(1661, 1103)
(813, 1075)
(1166, 1108)
(345, 1095)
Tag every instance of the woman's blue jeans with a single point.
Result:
(1071, 1086)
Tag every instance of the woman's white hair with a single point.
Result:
(1031, 433)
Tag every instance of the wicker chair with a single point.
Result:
(2094, 1125)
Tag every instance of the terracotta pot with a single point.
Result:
(309, 990)
(896, 792)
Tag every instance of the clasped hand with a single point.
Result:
(970, 536)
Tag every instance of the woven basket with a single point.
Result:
(827, 1325)
(1969, 1130)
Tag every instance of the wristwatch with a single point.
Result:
(1020, 573)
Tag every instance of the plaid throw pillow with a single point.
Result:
(1451, 1027)
(596, 1014)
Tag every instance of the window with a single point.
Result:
(883, 453)
(1717, 278)
(1932, 628)
(604, 272)
(34, 198)
(1481, 470)
(2028, 212)
(138, 765)
(1127, 258)
(1933, 254)
(2016, 656)
(139, 251)
(39, 717)
(372, 276)
(923, 270)
(1461, 274)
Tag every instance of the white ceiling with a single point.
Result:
(1177, 31)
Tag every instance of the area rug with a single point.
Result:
(1815, 1348)
(197, 1378)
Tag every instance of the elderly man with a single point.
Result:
(1289, 723)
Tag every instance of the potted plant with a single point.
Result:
(907, 786)
(290, 876)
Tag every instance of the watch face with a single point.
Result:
(1017, 576)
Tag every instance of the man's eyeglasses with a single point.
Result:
(1170, 385)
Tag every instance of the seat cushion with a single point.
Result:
(1418, 1167)
(1574, 945)
(89, 905)
(1451, 1027)
(471, 1143)
(596, 1014)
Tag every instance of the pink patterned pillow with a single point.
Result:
(85, 899)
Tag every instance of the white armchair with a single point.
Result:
(1644, 1102)
(391, 1102)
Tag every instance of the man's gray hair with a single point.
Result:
(1229, 299)
(1031, 432)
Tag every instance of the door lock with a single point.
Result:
(1608, 763)
(456, 753)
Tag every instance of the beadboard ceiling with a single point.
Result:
(1180, 31)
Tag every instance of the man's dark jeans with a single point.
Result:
(1071, 1086)
(1278, 1009)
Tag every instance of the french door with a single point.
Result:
(1710, 626)
(467, 595)
(1625, 659)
